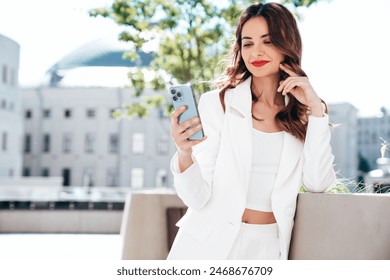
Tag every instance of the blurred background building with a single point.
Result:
(11, 124)
(70, 131)
(343, 118)
(372, 133)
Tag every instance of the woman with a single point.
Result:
(267, 134)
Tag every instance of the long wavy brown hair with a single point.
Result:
(286, 38)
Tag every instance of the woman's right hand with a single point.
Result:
(180, 134)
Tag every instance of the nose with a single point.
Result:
(258, 51)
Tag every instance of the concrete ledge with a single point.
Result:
(327, 226)
(144, 225)
(60, 221)
(341, 227)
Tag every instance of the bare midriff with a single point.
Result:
(251, 216)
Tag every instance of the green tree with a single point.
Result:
(192, 38)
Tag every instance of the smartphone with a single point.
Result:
(183, 95)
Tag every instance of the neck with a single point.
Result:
(264, 89)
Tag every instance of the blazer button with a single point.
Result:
(290, 211)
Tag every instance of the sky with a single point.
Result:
(345, 43)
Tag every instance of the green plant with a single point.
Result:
(342, 185)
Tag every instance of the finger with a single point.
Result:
(190, 143)
(181, 132)
(182, 135)
(290, 87)
(194, 142)
(175, 118)
(187, 124)
(175, 115)
(286, 68)
(281, 86)
(189, 132)
(284, 83)
(184, 143)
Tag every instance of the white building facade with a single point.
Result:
(11, 122)
(344, 119)
(70, 132)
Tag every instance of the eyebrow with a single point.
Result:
(250, 38)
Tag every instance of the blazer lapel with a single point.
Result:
(291, 152)
(240, 127)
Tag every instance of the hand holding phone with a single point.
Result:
(183, 95)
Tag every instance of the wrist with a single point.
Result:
(184, 154)
(317, 109)
(185, 160)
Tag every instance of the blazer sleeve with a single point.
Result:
(318, 171)
(194, 185)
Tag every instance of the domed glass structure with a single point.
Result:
(104, 56)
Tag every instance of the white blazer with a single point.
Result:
(215, 186)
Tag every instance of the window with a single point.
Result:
(27, 143)
(66, 175)
(26, 172)
(46, 113)
(46, 143)
(162, 145)
(28, 114)
(67, 113)
(4, 141)
(112, 177)
(161, 178)
(90, 142)
(5, 74)
(45, 172)
(91, 113)
(138, 143)
(88, 177)
(137, 178)
(113, 143)
(66, 142)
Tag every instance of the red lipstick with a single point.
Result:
(259, 63)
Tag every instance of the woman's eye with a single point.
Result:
(267, 42)
(247, 45)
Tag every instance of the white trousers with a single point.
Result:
(256, 242)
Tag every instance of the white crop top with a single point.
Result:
(267, 150)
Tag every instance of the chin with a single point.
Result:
(264, 74)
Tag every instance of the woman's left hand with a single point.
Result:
(301, 89)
